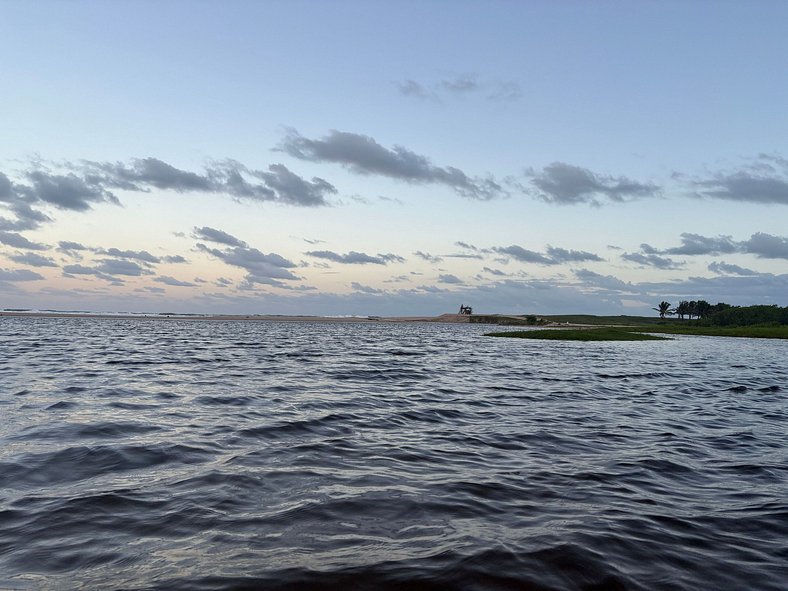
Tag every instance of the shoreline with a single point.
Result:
(444, 318)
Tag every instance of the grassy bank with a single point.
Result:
(636, 333)
(579, 334)
(755, 332)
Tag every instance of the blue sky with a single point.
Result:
(392, 158)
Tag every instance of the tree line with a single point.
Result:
(722, 314)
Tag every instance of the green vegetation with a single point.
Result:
(591, 320)
(719, 320)
(580, 334)
(754, 332)
(529, 320)
(636, 333)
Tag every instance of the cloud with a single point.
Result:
(459, 86)
(19, 241)
(19, 275)
(763, 180)
(174, 282)
(414, 89)
(293, 190)
(724, 268)
(356, 258)
(260, 267)
(766, 246)
(174, 259)
(496, 272)
(695, 244)
(463, 255)
(760, 244)
(606, 282)
(66, 191)
(33, 259)
(562, 255)
(144, 172)
(217, 236)
(138, 255)
(87, 183)
(121, 267)
(566, 184)
(74, 270)
(434, 259)
(524, 255)
(70, 248)
(361, 154)
(651, 260)
(6, 188)
(450, 279)
(365, 288)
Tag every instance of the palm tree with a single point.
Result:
(682, 309)
(664, 308)
(692, 309)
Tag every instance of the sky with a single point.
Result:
(392, 158)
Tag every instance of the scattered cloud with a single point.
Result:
(266, 269)
(85, 184)
(138, 255)
(459, 86)
(724, 268)
(766, 246)
(496, 272)
(760, 244)
(18, 241)
(167, 280)
(361, 154)
(450, 279)
(565, 184)
(33, 259)
(606, 282)
(294, 190)
(217, 236)
(71, 248)
(651, 260)
(562, 255)
(524, 255)
(19, 275)
(66, 191)
(434, 259)
(174, 259)
(356, 258)
(695, 244)
(763, 180)
(365, 288)
(122, 267)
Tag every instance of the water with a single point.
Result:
(143, 454)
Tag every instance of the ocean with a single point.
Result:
(203, 454)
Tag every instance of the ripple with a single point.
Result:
(246, 455)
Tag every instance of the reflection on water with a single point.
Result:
(144, 454)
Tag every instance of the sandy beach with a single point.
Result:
(448, 318)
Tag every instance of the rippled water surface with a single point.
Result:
(139, 454)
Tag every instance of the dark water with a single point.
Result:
(239, 455)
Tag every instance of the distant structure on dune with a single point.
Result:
(466, 310)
